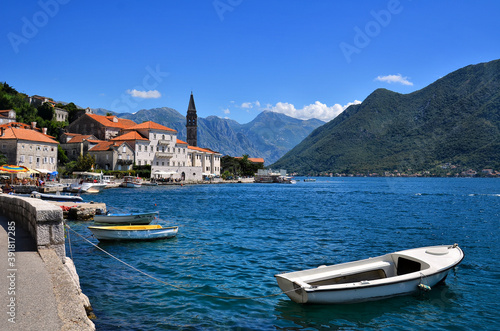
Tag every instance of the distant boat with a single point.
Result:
(131, 181)
(389, 275)
(126, 218)
(87, 182)
(56, 197)
(309, 179)
(133, 232)
(288, 180)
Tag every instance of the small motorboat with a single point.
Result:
(389, 275)
(56, 197)
(133, 232)
(131, 182)
(126, 218)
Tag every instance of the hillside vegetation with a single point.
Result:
(454, 122)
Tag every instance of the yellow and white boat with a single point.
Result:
(134, 232)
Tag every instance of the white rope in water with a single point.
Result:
(168, 284)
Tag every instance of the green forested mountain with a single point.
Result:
(455, 121)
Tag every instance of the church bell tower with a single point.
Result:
(192, 123)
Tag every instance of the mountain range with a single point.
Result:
(453, 122)
(269, 136)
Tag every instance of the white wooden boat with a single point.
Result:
(131, 181)
(133, 232)
(389, 275)
(126, 218)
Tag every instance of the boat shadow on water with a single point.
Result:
(366, 314)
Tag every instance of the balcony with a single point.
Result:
(164, 155)
(124, 162)
(163, 142)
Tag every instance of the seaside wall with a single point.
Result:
(41, 219)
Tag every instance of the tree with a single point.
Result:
(61, 155)
(46, 111)
(84, 163)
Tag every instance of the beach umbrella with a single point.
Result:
(12, 169)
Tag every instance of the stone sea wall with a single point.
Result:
(44, 222)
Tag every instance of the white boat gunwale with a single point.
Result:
(114, 228)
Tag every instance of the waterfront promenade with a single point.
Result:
(36, 292)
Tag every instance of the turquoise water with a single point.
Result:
(233, 239)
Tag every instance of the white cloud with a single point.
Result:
(226, 111)
(394, 79)
(316, 110)
(250, 105)
(151, 94)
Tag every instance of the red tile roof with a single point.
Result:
(106, 146)
(150, 125)
(181, 142)
(206, 150)
(79, 138)
(16, 125)
(109, 121)
(132, 135)
(27, 134)
(253, 159)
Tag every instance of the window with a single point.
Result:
(163, 137)
(124, 149)
(21, 160)
(140, 147)
(31, 159)
(157, 163)
(162, 163)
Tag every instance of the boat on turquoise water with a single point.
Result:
(133, 232)
(131, 182)
(126, 218)
(389, 275)
(56, 197)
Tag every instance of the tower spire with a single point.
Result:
(192, 123)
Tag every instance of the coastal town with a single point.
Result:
(114, 144)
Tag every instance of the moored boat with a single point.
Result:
(131, 182)
(126, 218)
(87, 182)
(389, 275)
(56, 197)
(133, 232)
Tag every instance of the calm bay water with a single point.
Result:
(233, 239)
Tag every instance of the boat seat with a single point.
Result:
(373, 270)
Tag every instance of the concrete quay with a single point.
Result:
(39, 287)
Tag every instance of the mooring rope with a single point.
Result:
(168, 284)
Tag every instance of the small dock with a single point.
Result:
(79, 211)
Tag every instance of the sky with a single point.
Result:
(306, 59)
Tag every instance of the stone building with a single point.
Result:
(102, 127)
(27, 146)
(7, 116)
(113, 155)
(60, 115)
(75, 145)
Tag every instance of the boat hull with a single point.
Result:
(132, 218)
(135, 232)
(57, 197)
(371, 279)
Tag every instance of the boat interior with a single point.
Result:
(394, 265)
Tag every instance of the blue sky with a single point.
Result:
(307, 59)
